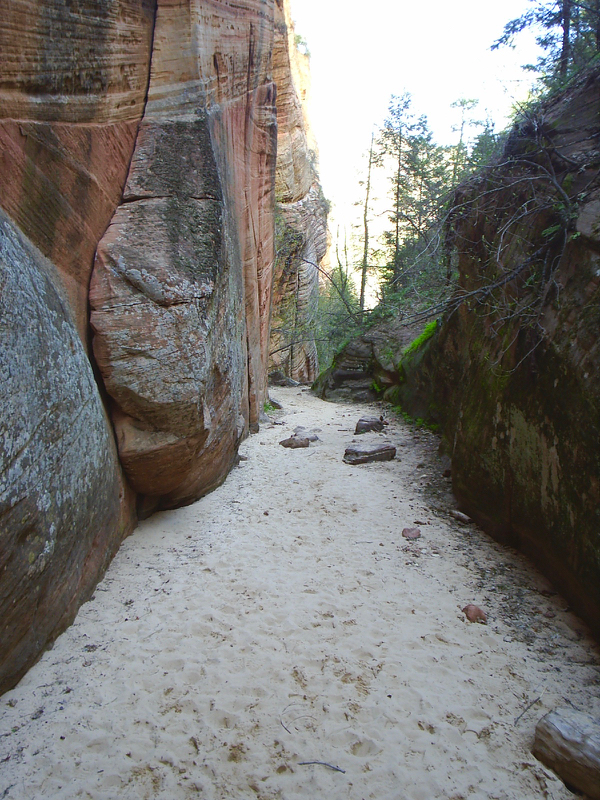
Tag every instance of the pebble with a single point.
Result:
(474, 613)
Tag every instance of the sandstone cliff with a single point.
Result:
(301, 216)
(137, 148)
(180, 294)
(513, 373)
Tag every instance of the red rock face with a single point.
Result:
(72, 89)
(181, 289)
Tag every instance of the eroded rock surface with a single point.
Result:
(62, 514)
(72, 91)
(181, 287)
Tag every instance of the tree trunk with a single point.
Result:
(565, 52)
(397, 199)
(365, 258)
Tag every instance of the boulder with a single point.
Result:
(180, 292)
(366, 424)
(277, 378)
(568, 741)
(63, 501)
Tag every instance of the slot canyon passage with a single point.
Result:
(284, 619)
(189, 609)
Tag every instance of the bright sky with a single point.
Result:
(439, 51)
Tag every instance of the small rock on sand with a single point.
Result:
(474, 614)
(411, 533)
(301, 432)
(366, 424)
(385, 452)
(294, 442)
(460, 517)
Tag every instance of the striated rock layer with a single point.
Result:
(73, 82)
(181, 288)
(301, 218)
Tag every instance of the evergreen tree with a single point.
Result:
(568, 32)
(419, 177)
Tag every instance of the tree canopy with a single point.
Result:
(568, 31)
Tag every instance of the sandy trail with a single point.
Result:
(284, 619)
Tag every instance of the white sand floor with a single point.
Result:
(284, 619)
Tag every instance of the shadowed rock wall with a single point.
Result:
(73, 81)
(516, 372)
(63, 503)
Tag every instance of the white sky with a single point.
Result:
(439, 51)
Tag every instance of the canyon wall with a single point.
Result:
(138, 143)
(516, 370)
(180, 294)
(301, 214)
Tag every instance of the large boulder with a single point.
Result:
(72, 91)
(62, 513)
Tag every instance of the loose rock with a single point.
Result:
(411, 533)
(385, 452)
(475, 614)
(303, 433)
(366, 424)
(295, 441)
(568, 742)
(277, 378)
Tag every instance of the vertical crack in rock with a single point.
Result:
(180, 294)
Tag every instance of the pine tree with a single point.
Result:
(419, 176)
(568, 32)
